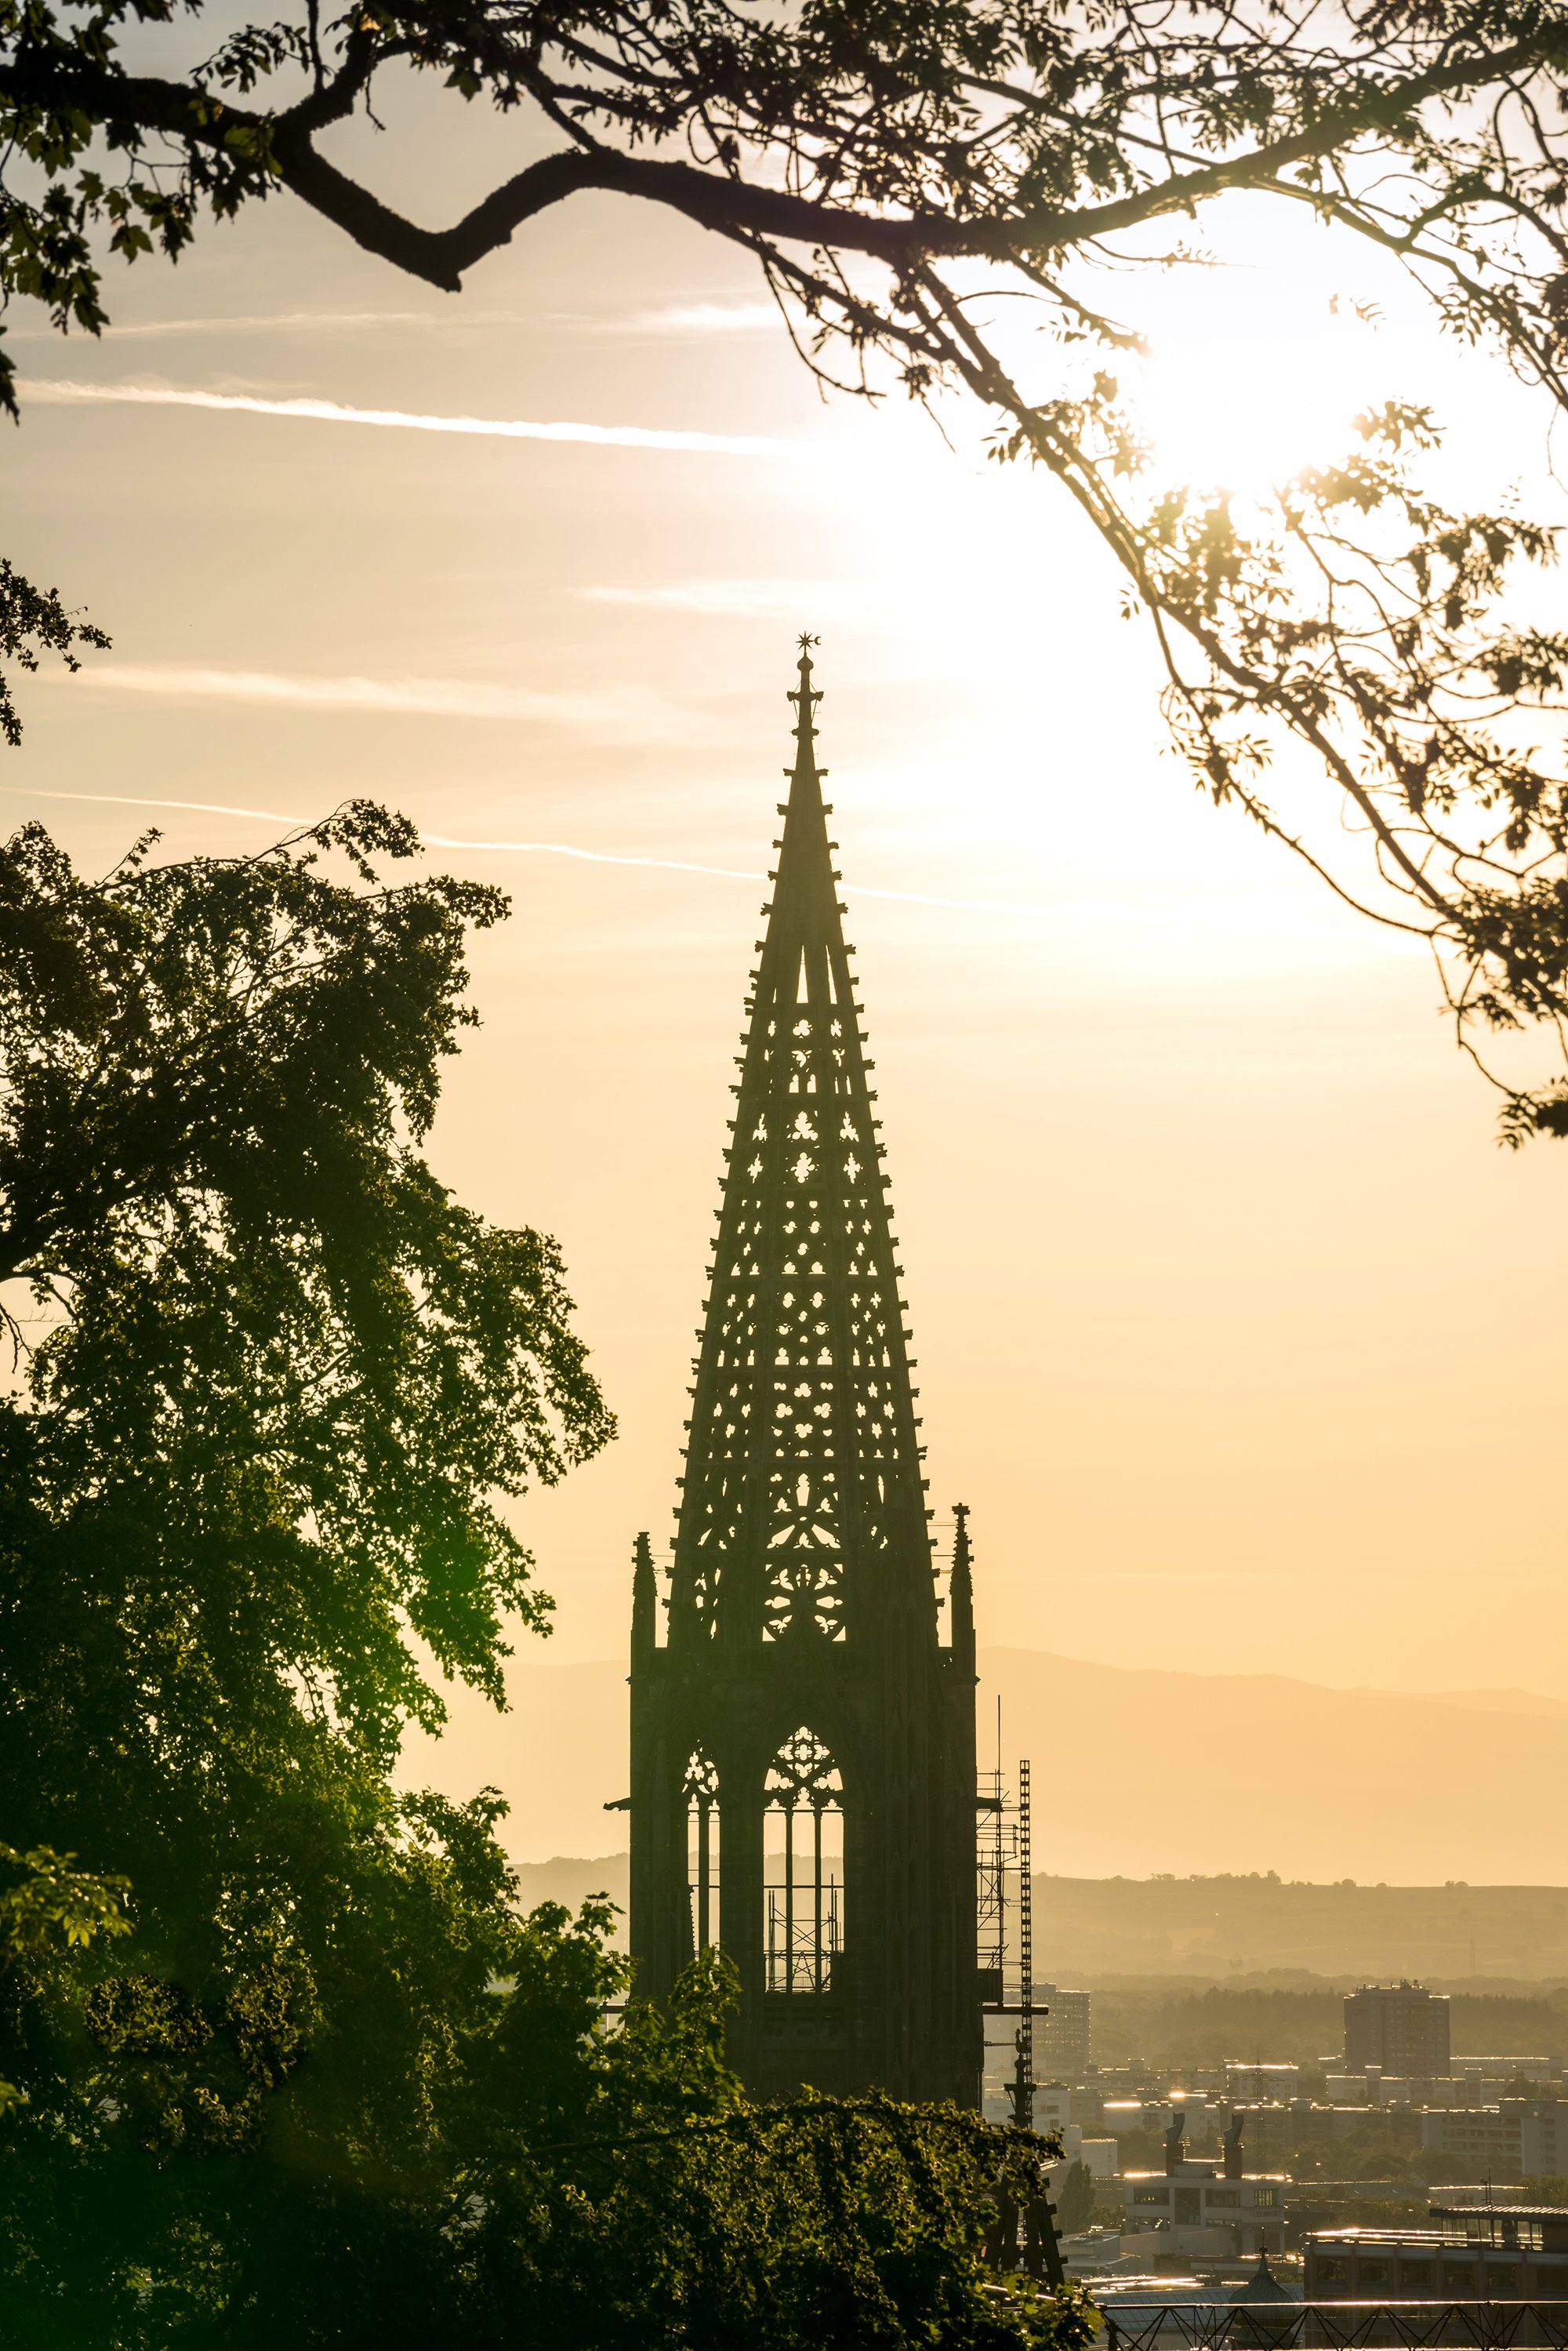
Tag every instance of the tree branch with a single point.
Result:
(146, 103)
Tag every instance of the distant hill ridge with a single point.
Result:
(1220, 1929)
(1139, 1771)
(1254, 1934)
(1500, 1701)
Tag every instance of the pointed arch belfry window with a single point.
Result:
(803, 1846)
(700, 1789)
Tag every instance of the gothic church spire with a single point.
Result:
(803, 1483)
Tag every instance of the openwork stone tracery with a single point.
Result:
(803, 1918)
(802, 1446)
(700, 1789)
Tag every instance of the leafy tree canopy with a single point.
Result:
(271, 1387)
(425, 2150)
(889, 165)
(49, 1906)
(280, 2060)
(265, 1346)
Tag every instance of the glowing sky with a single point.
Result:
(1235, 1328)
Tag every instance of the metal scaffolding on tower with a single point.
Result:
(1023, 2043)
(1004, 1896)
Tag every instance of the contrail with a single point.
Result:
(330, 411)
(544, 849)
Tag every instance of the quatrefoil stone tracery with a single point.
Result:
(803, 1773)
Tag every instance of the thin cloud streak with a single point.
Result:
(755, 599)
(135, 330)
(619, 712)
(63, 392)
(677, 319)
(702, 318)
(1206, 921)
(540, 849)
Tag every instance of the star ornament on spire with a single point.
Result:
(805, 696)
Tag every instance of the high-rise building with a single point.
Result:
(1061, 2034)
(1403, 2028)
(803, 1789)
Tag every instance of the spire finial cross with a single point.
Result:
(805, 696)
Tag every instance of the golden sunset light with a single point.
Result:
(1105, 1014)
(783, 1083)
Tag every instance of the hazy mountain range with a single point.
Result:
(1137, 1773)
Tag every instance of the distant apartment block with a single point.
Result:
(1498, 2252)
(1256, 2083)
(1334, 2122)
(1518, 2138)
(1473, 2088)
(1204, 2114)
(1061, 2037)
(1398, 2027)
(1505, 2069)
(1274, 2132)
(1136, 2080)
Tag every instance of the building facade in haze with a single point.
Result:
(1061, 2034)
(1518, 2138)
(1398, 2027)
(1205, 2208)
(1250, 2080)
(803, 1735)
(1495, 2253)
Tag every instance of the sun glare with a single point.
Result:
(1244, 410)
(1263, 348)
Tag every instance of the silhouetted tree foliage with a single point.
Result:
(890, 164)
(280, 2060)
(34, 622)
(419, 2151)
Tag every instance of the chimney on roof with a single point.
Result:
(1175, 2143)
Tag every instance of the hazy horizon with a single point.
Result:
(1320, 1785)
